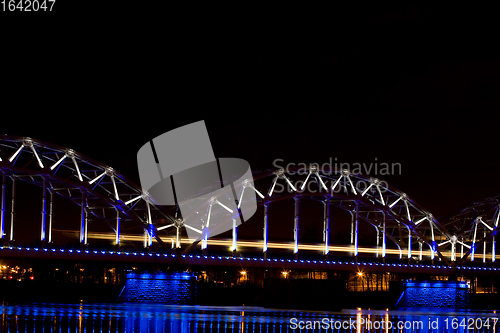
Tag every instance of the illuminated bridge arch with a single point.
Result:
(473, 228)
(105, 194)
(395, 216)
(98, 189)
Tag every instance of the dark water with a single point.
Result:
(166, 318)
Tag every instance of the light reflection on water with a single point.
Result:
(156, 318)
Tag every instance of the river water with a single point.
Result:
(153, 318)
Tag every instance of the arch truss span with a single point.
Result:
(474, 228)
(101, 192)
(397, 219)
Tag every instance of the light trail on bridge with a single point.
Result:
(189, 260)
(258, 244)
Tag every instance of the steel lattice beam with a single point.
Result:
(71, 175)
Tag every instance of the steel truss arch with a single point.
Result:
(98, 188)
(95, 187)
(372, 197)
(476, 224)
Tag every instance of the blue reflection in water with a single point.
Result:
(158, 318)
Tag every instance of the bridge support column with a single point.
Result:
(83, 221)
(352, 228)
(44, 209)
(266, 217)
(484, 247)
(384, 239)
(235, 234)
(296, 227)
(434, 243)
(356, 231)
(50, 215)
(326, 225)
(12, 209)
(178, 238)
(493, 254)
(2, 212)
(148, 240)
(117, 240)
(473, 245)
(409, 243)
(493, 244)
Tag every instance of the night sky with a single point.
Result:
(415, 85)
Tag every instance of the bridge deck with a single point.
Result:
(247, 262)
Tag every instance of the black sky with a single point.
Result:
(416, 85)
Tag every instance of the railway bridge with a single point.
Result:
(87, 212)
